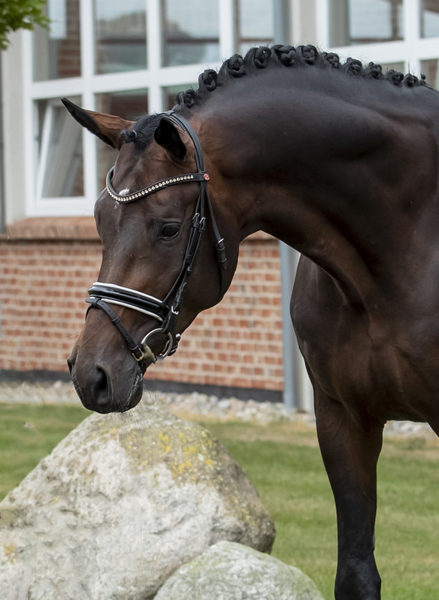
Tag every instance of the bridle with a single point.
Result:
(165, 311)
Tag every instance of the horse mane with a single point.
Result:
(255, 60)
(264, 57)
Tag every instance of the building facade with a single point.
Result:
(129, 58)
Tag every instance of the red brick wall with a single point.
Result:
(43, 284)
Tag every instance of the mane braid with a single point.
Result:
(258, 59)
(289, 56)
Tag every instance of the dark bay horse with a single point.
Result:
(339, 161)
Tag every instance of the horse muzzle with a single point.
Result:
(106, 388)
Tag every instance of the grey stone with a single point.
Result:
(119, 505)
(230, 571)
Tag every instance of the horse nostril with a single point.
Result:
(101, 388)
(70, 364)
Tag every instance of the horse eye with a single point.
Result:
(166, 230)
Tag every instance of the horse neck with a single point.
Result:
(329, 176)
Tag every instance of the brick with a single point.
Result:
(43, 285)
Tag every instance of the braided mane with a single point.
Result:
(288, 56)
(256, 60)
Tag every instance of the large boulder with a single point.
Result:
(119, 505)
(230, 571)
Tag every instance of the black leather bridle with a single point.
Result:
(165, 311)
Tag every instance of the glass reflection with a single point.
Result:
(260, 23)
(429, 18)
(190, 32)
(57, 51)
(131, 105)
(365, 21)
(60, 160)
(120, 34)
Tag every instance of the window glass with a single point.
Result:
(429, 18)
(131, 105)
(60, 161)
(190, 32)
(120, 34)
(57, 51)
(260, 23)
(365, 21)
(431, 70)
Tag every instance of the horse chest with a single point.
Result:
(387, 367)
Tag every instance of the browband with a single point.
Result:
(189, 178)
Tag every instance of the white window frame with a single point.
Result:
(410, 51)
(155, 78)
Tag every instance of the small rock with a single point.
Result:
(224, 404)
(230, 571)
(29, 426)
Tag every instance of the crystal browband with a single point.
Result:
(152, 188)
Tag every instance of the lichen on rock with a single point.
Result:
(119, 505)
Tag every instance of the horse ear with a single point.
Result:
(106, 127)
(168, 136)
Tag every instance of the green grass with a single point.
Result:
(29, 432)
(288, 473)
(285, 465)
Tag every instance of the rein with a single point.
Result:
(165, 311)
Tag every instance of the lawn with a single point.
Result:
(284, 464)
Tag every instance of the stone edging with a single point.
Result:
(198, 405)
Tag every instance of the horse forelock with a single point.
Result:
(142, 132)
(258, 59)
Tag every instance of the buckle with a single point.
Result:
(145, 352)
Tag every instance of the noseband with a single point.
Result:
(165, 311)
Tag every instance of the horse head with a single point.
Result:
(163, 258)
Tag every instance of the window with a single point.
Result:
(120, 35)
(57, 52)
(60, 161)
(190, 32)
(131, 105)
(365, 21)
(260, 23)
(429, 18)
(123, 57)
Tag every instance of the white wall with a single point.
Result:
(13, 130)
